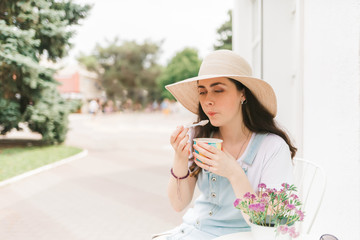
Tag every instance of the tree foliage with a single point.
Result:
(126, 69)
(224, 32)
(32, 30)
(185, 64)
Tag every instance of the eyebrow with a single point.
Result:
(212, 85)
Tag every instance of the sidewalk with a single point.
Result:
(118, 191)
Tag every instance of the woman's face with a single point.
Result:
(220, 100)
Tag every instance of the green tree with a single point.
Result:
(34, 30)
(224, 32)
(185, 64)
(126, 69)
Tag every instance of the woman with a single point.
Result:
(241, 110)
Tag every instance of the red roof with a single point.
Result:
(69, 83)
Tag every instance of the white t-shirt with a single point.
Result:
(272, 164)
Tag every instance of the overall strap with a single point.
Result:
(254, 148)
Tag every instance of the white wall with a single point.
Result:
(280, 56)
(311, 58)
(331, 109)
(280, 65)
(242, 29)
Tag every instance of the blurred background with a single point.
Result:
(86, 78)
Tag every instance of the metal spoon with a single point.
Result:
(201, 123)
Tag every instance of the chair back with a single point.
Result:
(310, 180)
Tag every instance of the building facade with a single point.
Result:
(78, 83)
(309, 52)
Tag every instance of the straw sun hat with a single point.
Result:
(223, 63)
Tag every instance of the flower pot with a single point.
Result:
(266, 233)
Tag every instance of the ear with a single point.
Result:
(242, 94)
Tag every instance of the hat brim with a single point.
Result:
(186, 91)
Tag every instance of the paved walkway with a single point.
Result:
(117, 192)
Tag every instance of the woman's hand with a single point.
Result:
(179, 141)
(215, 160)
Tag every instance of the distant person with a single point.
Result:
(155, 106)
(109, 106)
(241, 110)
(165, 106)
(93, 107)
(174, 106)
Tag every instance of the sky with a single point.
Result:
(179, 23)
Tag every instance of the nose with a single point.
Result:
(209, 100)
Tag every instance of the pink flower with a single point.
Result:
(247, 195)
(271, 190)
(257, 207)
(301, 214)
(285, 185)
(262, 185)
(261, 207)
(294, 235)
(253, 207)
(252, 196)
(294, 196)
(283, 229)
(264, 200)
(290, 206)
(265, 195)
(292, 232)
(237, 201)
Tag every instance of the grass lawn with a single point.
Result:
(17, 160)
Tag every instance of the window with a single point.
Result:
(257, 38)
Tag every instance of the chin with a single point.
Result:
(215, 123)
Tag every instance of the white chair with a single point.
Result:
(310, 180)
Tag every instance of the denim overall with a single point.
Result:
(213, 213)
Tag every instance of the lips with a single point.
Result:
(211, 114)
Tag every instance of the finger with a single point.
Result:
(183, 142)
(187, 148)
(183, 132)
(203, 151)
(202, 159)
(178, 135)
(181, 136)
(208, 147)
(201, 164)
(175, 134)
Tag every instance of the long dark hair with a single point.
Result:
(255, 117)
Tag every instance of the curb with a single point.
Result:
(82, 154)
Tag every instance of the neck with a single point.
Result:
(234, 132)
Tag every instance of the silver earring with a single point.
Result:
(243, 102)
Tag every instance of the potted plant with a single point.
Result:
(273, 211)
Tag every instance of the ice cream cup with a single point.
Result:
(215, 142)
